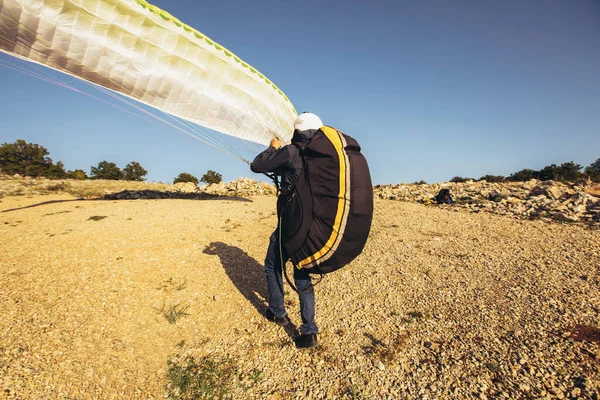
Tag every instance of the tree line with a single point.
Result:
(30, 159)
(565, 172)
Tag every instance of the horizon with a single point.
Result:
(430, 91)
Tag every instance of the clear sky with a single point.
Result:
(431, 88)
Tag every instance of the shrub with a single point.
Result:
(523, 175)
(492, 178)
(459, 179)
(593, 171)
(185, 177)
(78, 174)
(566, 172)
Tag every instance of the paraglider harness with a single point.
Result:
(323, 237)
(275, 178)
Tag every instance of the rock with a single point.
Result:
(593, 190)
(555, 192)
(185, 187)
(495, 197)
(563, 217)
(538, 191)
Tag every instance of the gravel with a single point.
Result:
(442, 303)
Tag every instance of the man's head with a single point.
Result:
(307, 121)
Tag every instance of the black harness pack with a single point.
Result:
(325, 221)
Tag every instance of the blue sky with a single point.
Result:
(431, 89)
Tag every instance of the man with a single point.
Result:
(287, 163)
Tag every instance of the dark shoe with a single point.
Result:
(306, 341)
(279, 321)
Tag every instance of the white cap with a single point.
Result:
(306, 121)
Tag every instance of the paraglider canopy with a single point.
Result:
(142, 52)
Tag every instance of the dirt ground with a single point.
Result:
(441, 304)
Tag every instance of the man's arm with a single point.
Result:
(271, 160)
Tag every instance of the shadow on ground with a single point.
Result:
(142, 195)
(44, 203)
(247, 275)
(158, 194)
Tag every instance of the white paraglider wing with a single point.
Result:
(136, 49)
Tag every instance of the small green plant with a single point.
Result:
(352, 392)
(255, 375)
(181, 286)
(96, 217)
(413, 316)
(57, 187)
(493, 367)
(58, 212)
(386, 351)
(206, 378)
(174, 312)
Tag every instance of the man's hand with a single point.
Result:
(275, 142)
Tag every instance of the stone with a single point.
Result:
(593, 190)
(563, 217)
(555, 191)
(538, 191)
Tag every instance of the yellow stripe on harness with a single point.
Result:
(334, 138)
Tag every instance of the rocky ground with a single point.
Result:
(163, 298)
(579, 202)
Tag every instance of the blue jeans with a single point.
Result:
(302, 280)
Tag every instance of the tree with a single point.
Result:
(106, 170)
(134, 172)
(569, 172)
(185, 177)
(212, 177)
(549, 172)
(595, 166)
(57, 171)
(593, 171)
(565, 172)
(78, 174)
(492, 178)
(523, 175)
(24, 158)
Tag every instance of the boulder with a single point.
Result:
(593, 191)
(185, 187)
(495, 197)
